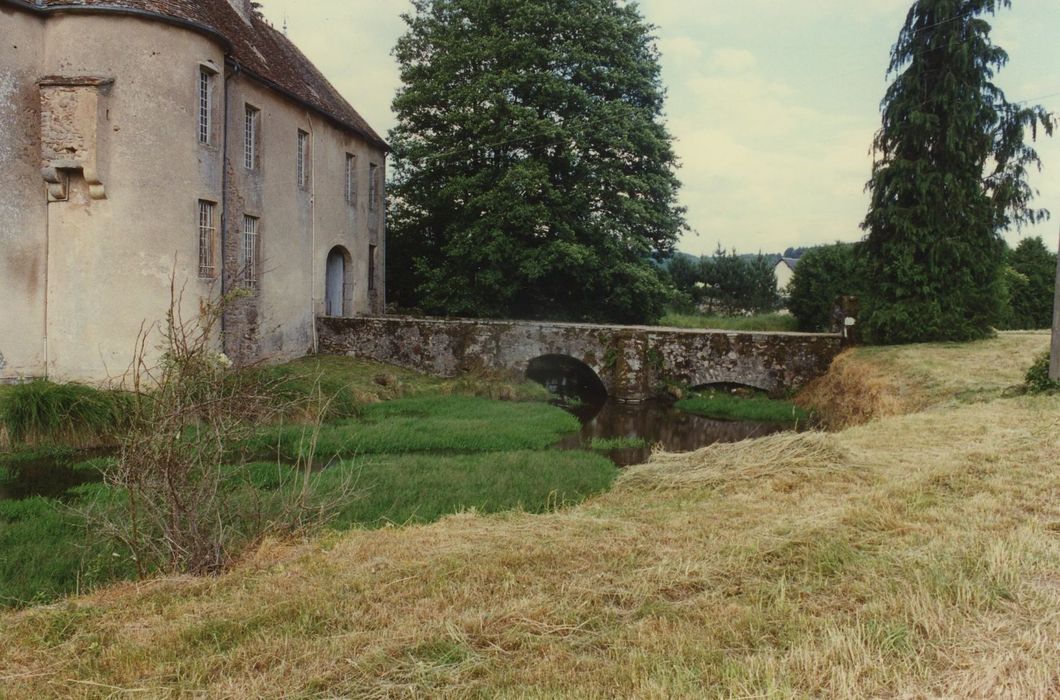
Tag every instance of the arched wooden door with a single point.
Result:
(335, 284)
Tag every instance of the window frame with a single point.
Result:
(206, 105)
(207, 239)
(372, 253)
(251, 137)
(373, 186)
(351, 179)
(250, 252)
(303, 160)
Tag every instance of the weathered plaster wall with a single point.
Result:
(631, 361)
(81, 274)
(298, 227)
(23, 213)
(111, 260)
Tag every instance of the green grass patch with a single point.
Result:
(442, 424)
(407, 449)
(43, 412)
(757, 408)
(423, 488)
(338, 387)
(599, 444)
(760, 322)
(46, 551)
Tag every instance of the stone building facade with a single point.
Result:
(144, 142)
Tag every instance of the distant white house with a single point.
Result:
(785, 271)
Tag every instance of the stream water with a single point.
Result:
(50, 476)
(658, 424)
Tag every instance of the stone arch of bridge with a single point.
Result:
(567, 376)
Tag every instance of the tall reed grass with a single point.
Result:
(43, 412)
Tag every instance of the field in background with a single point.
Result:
(915, 555)
(760, 322)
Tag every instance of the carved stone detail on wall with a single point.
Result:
(74, 133)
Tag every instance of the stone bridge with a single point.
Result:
(631, 361)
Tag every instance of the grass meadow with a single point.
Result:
(914, 554)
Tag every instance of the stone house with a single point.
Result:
(144, 141)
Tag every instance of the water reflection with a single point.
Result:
(50, 476)
(658, 423)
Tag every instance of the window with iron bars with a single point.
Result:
(249, 261)
(205, 105)
(303, 159)
(351, 179)
(250, 138)
(207, 239)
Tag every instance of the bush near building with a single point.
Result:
(824, 274)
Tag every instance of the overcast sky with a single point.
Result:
(772, 103)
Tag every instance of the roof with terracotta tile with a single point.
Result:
(257, 47)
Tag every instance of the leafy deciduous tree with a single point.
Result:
(825, 274)
(1031, 285)
(533, 176)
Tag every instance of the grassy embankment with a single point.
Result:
(914, 555)
(758, 322)
(759, 408)
(413, 448)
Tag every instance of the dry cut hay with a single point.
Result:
(801, 454)
(855, 392)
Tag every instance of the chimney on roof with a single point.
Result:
(243, 7)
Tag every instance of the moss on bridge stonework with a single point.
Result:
(630, 360)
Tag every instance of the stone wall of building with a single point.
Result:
(125, 229)
(632, 361)
(23, 207)
(100, 221)
(298, 226)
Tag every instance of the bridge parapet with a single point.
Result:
(631, 361)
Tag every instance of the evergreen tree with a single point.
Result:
(950, 176)
(1033, 267)
(533, 176)
(762, 277)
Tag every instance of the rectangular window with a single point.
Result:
(303, 159)
(207, 239)
(205, 105)
(371, 267)
(351, 179)
(250, 138)
(249, 252)
(373, 186)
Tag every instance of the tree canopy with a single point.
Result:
(533, 176)
(726, 283)
(1031, 282)
(950, 175)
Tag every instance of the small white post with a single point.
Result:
(1054, 364)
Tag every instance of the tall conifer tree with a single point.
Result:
(533, 176)
(949, 178)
